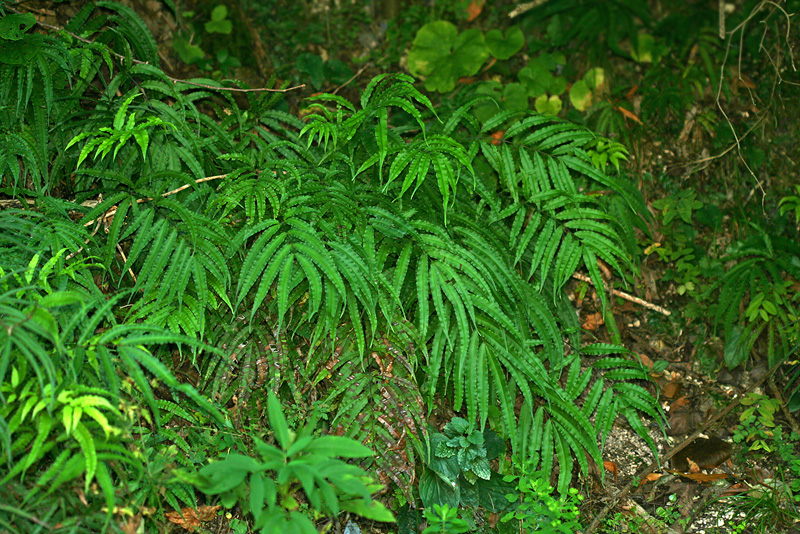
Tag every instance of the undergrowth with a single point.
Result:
(189, 273)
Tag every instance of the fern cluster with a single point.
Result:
(365, 263)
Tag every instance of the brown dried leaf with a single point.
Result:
(671, 389)
(611, 467)
(593, 320)
(474, 9)
(192, 518)
(131, 525)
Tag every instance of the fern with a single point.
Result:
(762, 264)
(381, 405)
(341, 261)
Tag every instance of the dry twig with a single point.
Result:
(626, 296)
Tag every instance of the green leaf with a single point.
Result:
(580, 95)
(188, 52)
(736, 346)
(643, 51)
(86, 441)
(373, 510)
(278, 422)
(548, 105)
(228, 473)
(338, 446)
(441, 55)
(434, 490)
(13, 27)
(218, 22)
(504, 47)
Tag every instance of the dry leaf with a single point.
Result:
(693, 467)
(671, 389)
(593, 320)
(192, 518)
(645, 359)
(207, 513)
(474, 9)
(611, 467)
(497, 137)
(628, 114)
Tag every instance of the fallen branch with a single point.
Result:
(112, 211)
(626, 296)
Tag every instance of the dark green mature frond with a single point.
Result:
(253, 358)
(379, 403)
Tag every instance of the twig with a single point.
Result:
(626, 296)
(356, 75)
(672, 452)
(524, 8)
(14, 203)
(171, 78)
(125, 260)
(113, 210)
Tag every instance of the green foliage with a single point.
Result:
(219, 22)
(300, 463)
(509, 98)
(538, 75)
(332, 70)
(442, 55)
(756, 422)
(503, 46)
(468, 447)
(360, 264)
(793, 382)
(761, 265)
(443, 519)
(589, 89)
(105, 138)
(604, 151)
(773, 502)
(457, 468)
(59, 381)
(791, 203)
(680, 205)
(537, 510)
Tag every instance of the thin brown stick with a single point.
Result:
(672, 452)
(125, 260)
(356, 75)
(113, 210)
(626, 296)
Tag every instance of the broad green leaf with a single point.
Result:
(13, 27)
(227, 473)
(278, 422)
(503, 47)
(442, 55)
